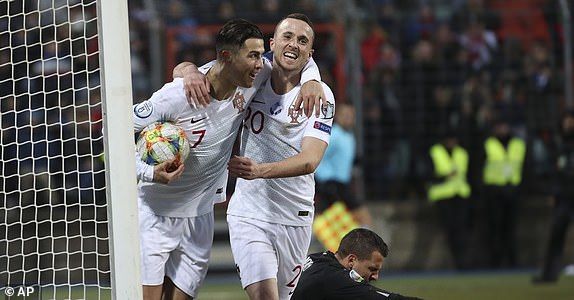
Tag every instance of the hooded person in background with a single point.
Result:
(563, 211)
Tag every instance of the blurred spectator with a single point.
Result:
(388, 18)
(480, 44)
(421, 26)
(451, 58)
(225, 11)
(178, 14)
(419, 81)
(387, 147)
(502, 176)
(521, 19)
(473, 11)
(540, 89)
(449, 192)
(563, 211)
(270, 11)
(476, 106)
(371, 47)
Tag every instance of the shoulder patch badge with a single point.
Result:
(327, 110)
(144, 109)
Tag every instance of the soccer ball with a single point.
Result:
(162, 141)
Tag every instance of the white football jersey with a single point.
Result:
(274, 131)
(211, 130)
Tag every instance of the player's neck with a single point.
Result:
(341, 260)
(221, 87)
(283, 81)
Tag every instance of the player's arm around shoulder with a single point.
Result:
(196, 85)
(312, 95)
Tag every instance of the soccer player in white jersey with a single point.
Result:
(176, 216)
(271, 212)
(176, 219)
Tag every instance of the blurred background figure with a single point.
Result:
(449, 193)
(502, 175)
(563, 211)
(334, 175)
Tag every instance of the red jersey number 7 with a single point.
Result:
(201, 134)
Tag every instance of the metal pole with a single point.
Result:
(156, 58)
(566, 24)
(354, 89)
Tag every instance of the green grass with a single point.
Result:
(469, 286)
(477, 286)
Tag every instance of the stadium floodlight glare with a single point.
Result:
(68, 209)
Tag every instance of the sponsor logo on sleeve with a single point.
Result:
(143, 110)
(327, 110)
(322, 126)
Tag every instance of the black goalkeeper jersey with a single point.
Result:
(324, 278)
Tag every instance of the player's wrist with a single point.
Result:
(264, 171)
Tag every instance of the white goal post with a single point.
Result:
(68, 203)
(119, 149)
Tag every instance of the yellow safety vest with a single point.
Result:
(503, 166)
(444, 165)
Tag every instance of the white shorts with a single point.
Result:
(263, 250)
(178, 248)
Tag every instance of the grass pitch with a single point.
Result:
(443, 286)
(448, 286)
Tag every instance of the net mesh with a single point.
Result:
(53, 224)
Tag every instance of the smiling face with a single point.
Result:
(245, 63)
(292, 44)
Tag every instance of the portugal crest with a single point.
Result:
(239, 101)
(294, 114)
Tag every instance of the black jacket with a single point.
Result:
(325, 278)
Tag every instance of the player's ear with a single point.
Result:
(225, 55)
(271, 44)
(352, 259)
(311, 52)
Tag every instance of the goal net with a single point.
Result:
(57, 238)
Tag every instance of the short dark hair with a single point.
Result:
(234, 33)
(362, 242)
(298, 16)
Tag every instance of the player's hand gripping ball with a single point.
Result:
(159, 142)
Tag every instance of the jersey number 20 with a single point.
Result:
(255, 120)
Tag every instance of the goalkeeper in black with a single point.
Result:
(346, 274)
